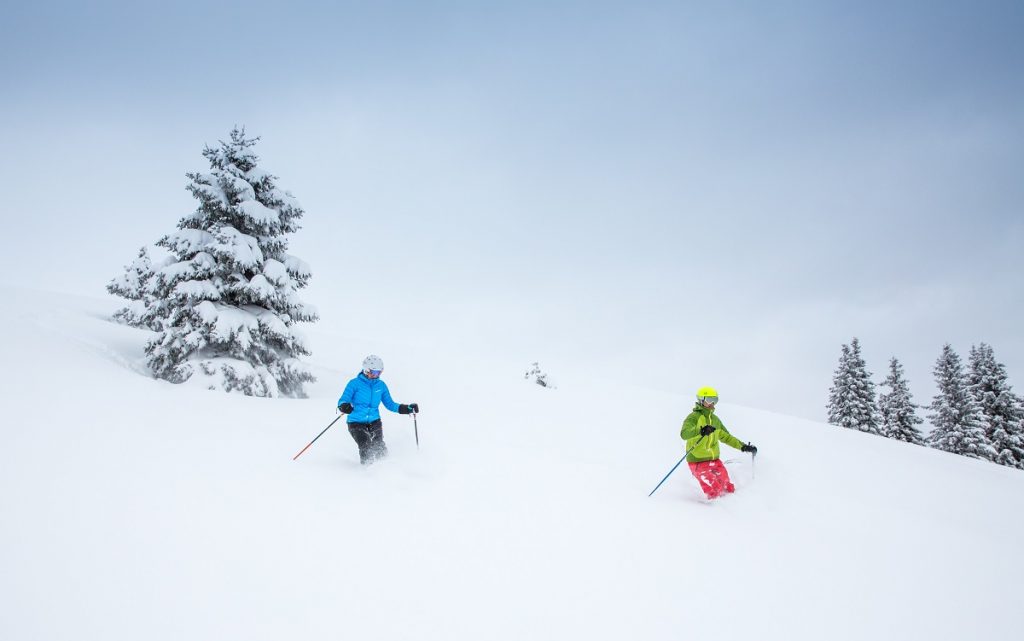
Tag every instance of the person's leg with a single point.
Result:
(708, 480)
(725, 483)
(377, 446)
(361, 435)
(715, 470)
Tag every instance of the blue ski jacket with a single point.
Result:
(366, 394)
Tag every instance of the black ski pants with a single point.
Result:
(370, 439)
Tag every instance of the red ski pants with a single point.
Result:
(713, 478)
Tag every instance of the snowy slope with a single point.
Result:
(134, 509)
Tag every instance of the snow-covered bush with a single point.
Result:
(225, 302)
(538, 377)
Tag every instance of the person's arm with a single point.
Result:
(348, 394)
(727, 437)
(345, 402)
(690, 429)
(387, 400)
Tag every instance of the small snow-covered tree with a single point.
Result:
(899, 413)
(840, 383)
(226, 302)
(538, 377)
(1002, 412)
(955, 416)
(851, 400)
(144, 308)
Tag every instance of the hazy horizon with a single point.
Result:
(686, 194)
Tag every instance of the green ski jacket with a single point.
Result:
(707, 449)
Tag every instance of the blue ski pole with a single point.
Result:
(675, 466)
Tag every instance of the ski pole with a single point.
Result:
(417, 428)
(675, 466)
(317, 436)
(753, 457)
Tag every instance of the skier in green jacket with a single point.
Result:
(702, 431)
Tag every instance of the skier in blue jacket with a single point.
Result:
(361, 401)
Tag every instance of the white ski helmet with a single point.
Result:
(372, 362)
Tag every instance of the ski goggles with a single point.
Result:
(709, 400)
(373, 373)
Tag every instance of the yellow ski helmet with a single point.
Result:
(707, 394)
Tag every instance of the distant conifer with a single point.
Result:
(1002, 411)
(899, 413)
(955, 415)
(852, 396)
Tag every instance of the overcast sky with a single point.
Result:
(678, 194)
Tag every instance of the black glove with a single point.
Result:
(405, 409)
(707, 429)
(414, 408)
(345, 408)
(749, 448)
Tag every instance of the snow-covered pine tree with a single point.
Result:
(229, 292)
(1002, 411)
(851, 400)
(899, 413)
(840, 383)
(955, 415)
